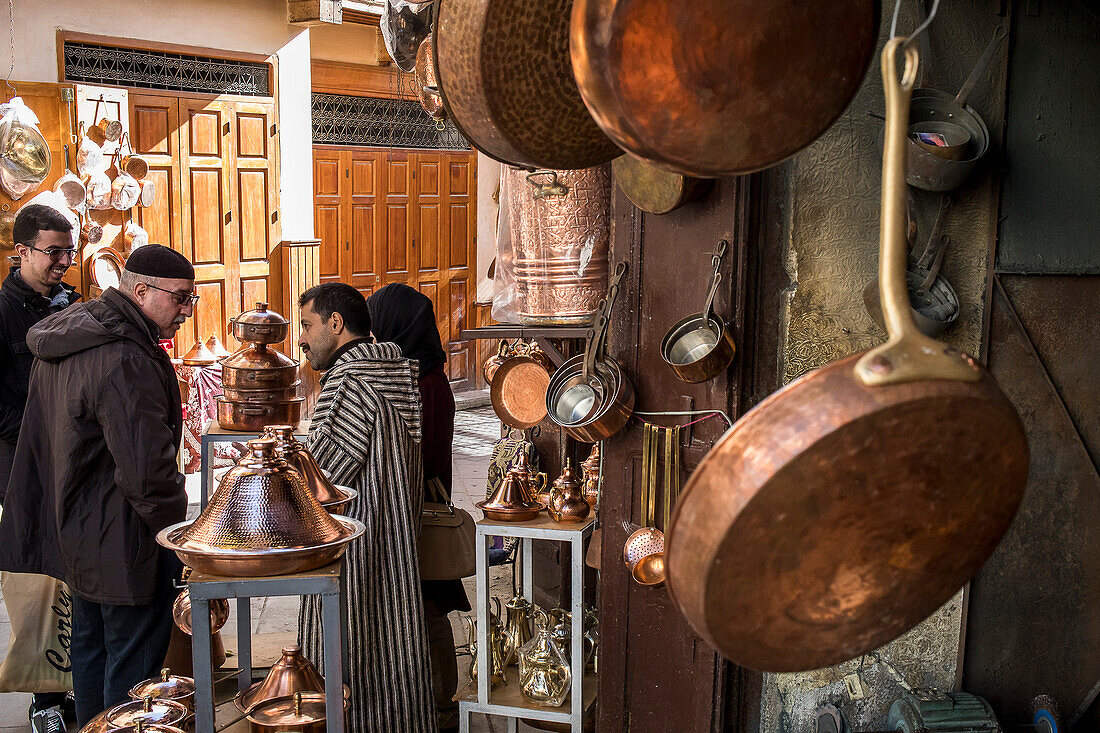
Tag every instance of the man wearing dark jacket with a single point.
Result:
(31, 291)
(94, 475)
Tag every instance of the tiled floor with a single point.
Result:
(476, 430)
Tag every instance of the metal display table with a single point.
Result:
(507, 700)
(215, 433)
(327, 582)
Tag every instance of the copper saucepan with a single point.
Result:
(849, 505)
(518, 388)
(258, 367)
(701, 346)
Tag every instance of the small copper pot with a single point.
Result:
(167, 686)
(181, 612)
(258, 367)
(260, 326)
(567, 502)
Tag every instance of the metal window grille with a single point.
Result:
(389, 123)
(95, 64)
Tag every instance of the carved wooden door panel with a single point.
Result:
(460, 237)
(255, 217)
(154, 121)
(364, 221)
(328, 176)
(397, 217)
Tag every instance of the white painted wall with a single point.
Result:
(488, 208)
(252, 26)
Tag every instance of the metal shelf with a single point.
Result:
(515, 331)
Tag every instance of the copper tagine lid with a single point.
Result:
(257, 356)
(261, 503)
(199, 355)
(299, 709)
(216, 347)
(166, 687)
(511, 502)
(139, 727)
(292, 673)
(298, 456)
(261, 316)
(148, 711)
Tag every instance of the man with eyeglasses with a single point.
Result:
(31, 291)
(95, 477)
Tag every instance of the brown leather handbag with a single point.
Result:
(447, 537)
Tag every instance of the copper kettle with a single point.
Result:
(333, 498)
(591, 469)
(567, 501)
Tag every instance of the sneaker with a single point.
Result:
(68, 707)
(49, 720)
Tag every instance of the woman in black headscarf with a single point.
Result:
(405, 316)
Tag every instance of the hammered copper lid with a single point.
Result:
(257, 356)
(510, 502)
(148, 710)
(216, 347)
(298, 456)
(301, 708)
(292, 673)
(261, 503)
(199, 355)
(261, 316)
(166, 687)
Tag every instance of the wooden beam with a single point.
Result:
(335, 77)
(313, 12)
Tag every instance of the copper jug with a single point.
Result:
(534, 482)
(591, 469)
(181, 612)
(517, 627)
(333, 498)
(567, 503)
(511, 502)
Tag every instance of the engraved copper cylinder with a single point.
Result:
(560, 243)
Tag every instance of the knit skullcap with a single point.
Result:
(156, 260)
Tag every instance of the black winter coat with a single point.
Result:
(94, 477)
(21, 306)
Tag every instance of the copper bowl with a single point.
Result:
(261, 396)
(254, 416)
(260, 326)
(181, 612)
(168, 686)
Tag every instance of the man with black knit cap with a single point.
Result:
(94, 476)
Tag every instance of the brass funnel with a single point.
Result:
(511, 501)
(292, 673)
(333, 498)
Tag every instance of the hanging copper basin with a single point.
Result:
(181, 612)
(292, 673)
(167, 686)
(262, 520)
(260, 326)
(333, 498)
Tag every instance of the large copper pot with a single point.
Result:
(261, 396)
(560, 225)
(849, 505)
(505, 77)
(262, 520)
(258, 367)
(719, 88)
(333, 498)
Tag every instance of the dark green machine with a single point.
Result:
(924, 711)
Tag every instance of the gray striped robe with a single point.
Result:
(366, 432)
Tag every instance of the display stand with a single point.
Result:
(215, 433)
(327, 582)
(507, 700)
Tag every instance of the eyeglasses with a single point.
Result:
(55, 254)
(180, 298)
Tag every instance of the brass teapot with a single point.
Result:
(496, 646)
(591, 470)
(567, 503)
(544, 673)
(517, 627)
(532, 481)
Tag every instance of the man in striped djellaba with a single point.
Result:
(366, 433)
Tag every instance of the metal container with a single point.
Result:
(701, 346)
(262, 520)
(262, 396)
(256, 367)
(260, 326)
(148, 711)
(560, 225)
(167, 687)
(302, 712)
(292, 673)
(253, 417)
(181, 612)
(567, 501)
(511, 502)
(335, 499)
(518, 387)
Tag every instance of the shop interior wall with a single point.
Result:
(250, 26)
(825, 219)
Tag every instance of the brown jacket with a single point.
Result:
(94, 475)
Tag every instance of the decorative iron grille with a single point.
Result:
(388, 123)
(94, 64)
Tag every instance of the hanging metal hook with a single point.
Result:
(11, 30)
(920, 28)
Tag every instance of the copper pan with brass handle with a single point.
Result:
(848, 506)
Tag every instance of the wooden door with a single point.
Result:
(154, 123)
(254, 213)
(398, 218)
(346, 215)
(329, 169)
(460, 282)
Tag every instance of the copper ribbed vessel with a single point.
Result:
(333, 498)
(560, 245)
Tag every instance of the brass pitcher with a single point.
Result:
(533, 482)
(567, 503)
(496, 646)
(517, 627)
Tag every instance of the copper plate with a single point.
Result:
(510, 515)
(518, 392)
(654, 189)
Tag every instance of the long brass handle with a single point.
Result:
(908, 355)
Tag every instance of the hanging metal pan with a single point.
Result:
(518, 389)
(654, 189)
(849, 505)
(504, 74)
(701, 346)
(720, 88)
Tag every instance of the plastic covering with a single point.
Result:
(404, 26)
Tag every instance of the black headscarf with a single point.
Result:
(405, 316)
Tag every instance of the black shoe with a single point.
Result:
(49, 720)
(68, 707)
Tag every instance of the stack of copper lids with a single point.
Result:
(260, 385)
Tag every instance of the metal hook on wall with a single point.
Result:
(920, 28)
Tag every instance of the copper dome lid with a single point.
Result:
(257, 356)
(301, 709)
(166, 687)
(331, 497)
(511, 502)
(148, 711)
(292, 673)
(216, 347)
(199, 355)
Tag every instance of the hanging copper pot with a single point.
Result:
(167, 686)
(518, 388)
(511, 502)
(292, 673)
(489, 368)
(181, 612)
(567, 502)
(427, 86)
(333, 498)
(262, 520)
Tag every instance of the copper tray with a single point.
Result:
(259, 563)
(510, 515)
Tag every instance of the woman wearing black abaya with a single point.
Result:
(405, 316)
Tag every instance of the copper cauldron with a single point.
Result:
(561, 225)
(262, 520)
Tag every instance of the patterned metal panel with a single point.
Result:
(95, 64)
(389, 123)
